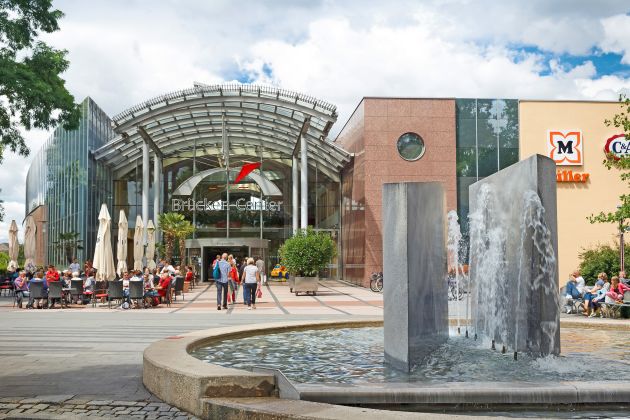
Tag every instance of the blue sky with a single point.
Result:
(123, 52)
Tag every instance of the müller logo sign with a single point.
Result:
(565, 147)
(618, 146)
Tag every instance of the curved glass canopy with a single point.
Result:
(247, 115)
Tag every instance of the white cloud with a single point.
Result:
(617, 36)
(125, 51)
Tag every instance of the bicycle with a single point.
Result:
(376, 282)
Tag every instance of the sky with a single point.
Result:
(123, 52)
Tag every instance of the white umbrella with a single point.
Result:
(121, 251)
(14, 247)
(151, 245)
(103, 255)
(30, 244)
(138, 245)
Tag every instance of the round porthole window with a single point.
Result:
(410, 146)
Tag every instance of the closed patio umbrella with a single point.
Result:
(121, 251)
(14, 247)
(103, 255)
(138, 246)
(30, 245)
(151, 245)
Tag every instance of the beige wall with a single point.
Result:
(576, 201)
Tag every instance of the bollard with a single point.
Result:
(503, 350)
(515, 356)
(493, 347)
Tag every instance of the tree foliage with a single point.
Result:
(174, 227)
(602, 258)
(32, 91)
(622, 214)
(307, 252)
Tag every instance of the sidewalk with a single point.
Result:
(333, 298)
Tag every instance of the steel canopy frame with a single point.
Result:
(260, 115)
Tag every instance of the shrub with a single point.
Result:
(307, 252)
(601, 258)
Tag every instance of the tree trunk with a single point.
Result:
(169, 247)
(182, 251)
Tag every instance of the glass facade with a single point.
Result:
(487, 141)
(234, 210)
(65, 177)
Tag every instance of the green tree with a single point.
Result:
(307, 252)
(621, 216)
(32, 93)
(174, 227)
(602, 258)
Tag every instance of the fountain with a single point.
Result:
(513, 248)
(415, 298)
(413, 363)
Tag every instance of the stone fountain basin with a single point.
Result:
(207, 390)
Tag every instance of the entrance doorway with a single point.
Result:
(209, 253)
(205, 250)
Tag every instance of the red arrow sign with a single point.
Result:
(245, 170)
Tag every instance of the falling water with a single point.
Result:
(512, 272)
(454, 262)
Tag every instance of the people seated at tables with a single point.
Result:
(39, 278)
(623, 279)
(162, 287)
(590, 293)
(125, 284)
(581, 284)
(137, 276)
(168, 267)
(52, 274)
(21, 288)
(88, 286)
(599, 295)
(74, 266)
(189, 274)
(65, 278)
(617, 289)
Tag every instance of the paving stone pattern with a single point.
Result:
(70, 407)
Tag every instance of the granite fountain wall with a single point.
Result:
(414, 270)
(513, 265)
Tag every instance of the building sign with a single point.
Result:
(241, 204)
(570, 176)
(565, 147)
(618, 146)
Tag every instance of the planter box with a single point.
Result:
(304, 284)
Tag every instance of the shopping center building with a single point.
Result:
(184, 150)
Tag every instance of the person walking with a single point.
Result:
(260, 264)
(222, 282)
(251, 281)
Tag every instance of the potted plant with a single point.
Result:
(305, 255)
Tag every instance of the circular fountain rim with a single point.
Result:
(172, 374)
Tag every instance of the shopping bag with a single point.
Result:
(258, 293)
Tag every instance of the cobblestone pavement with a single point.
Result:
(71, 363)
(69, 407)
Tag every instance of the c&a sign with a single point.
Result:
(618, 146)
(565, 147)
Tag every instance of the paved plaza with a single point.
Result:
(88, 361)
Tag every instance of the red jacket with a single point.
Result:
(163, 284)
(52, 275)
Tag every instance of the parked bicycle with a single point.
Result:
(376, 282)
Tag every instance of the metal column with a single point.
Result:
(157, 172)
(146, 171)
(304, 183)
(296, 192)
